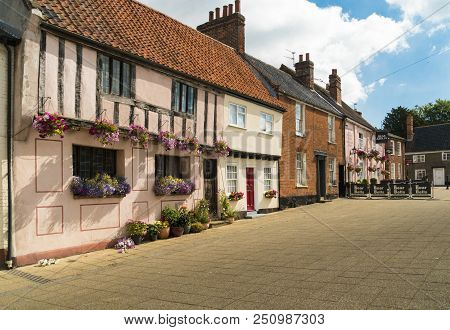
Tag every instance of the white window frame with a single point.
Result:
(400, 171)
(300, 165)
(332, 171)
(399, 149)
(361, 141)
(300, 119)
(446, 156)
(266, 122)
(232, 178)
(416, 172)
(419, 159)
(268, 178)
(393, 171)
(361, 175)
(240, 111)
(393, 147)
(331, 129)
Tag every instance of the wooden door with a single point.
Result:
(250, 189)
(210, 180)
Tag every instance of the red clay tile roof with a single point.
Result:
(139, 30)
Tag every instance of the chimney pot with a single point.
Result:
(211, 16)
(238, 6)
(335, 86)
(301, 58)
(225, 11)
(334, 72)
(217, 12)
(230, 9)
(307, 56)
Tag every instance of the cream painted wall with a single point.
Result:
(153, 87)
(258, 165)
(3, 152)
(251, 139)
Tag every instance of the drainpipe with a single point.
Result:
(344, 154)
(279, 185)
(9, 256)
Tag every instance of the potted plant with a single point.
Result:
(201, 213)
(227, 213)
(271, 194)
(197, 227)
(361, 154)
(105, 132)
(152, 232)
(49, 125)
(186, 218)
(172, 216)
(230, 216)
(163, 229)
(236, 196)
(168, 140)
(139, 136)
(136, 230)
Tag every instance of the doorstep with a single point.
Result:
(254, 215)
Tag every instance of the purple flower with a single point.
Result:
(49, 125)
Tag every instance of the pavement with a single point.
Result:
(348, 254)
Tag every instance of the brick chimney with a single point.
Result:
(409, 127)
(304, 71)
(335, 87)
(228, 28)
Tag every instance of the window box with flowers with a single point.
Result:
(271, 194)
(168, 186)
(101, 186)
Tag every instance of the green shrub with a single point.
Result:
(136, 228)
(201, 211)
(196, 227)
(171, 215)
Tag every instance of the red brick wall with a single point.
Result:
(316, 138)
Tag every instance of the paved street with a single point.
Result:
(349, 254)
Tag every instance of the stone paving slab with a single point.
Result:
(349, 254)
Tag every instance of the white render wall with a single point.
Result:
(3, 153)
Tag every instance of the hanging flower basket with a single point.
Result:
(373, 154)
(385, 173)
(372, 169)
(350, 168)
(105, 132)
(193, 145)
(383, 159)
(221, 148)
(168, 140)
(169, 185)
(139, 136)
(102, 186)
(358, 169)
(271, 194)
(236, 196)
(361, 154)
(49, 125)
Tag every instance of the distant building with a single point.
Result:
(428, 152)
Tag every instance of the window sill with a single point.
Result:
(266, 134)
(301, 187)
(106, 197)
(237, 127)
(334, 143)
(301, 135)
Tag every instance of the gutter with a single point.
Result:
(9, 256)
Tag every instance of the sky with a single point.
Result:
(343, 35)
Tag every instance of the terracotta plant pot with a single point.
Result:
(177, 231)
(230, 220)
(164, 234)
(187, 229)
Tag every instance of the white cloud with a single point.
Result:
(438, 28)
(382, 81)
(423, 8)
(332, 37)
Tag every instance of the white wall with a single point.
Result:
(250, 138)
(3, 153)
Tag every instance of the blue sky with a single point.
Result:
(341, 34)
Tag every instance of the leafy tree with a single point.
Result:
(435, 113)
(428, 114)
(395, 121)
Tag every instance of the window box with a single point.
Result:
(170, 186)
(101, 186)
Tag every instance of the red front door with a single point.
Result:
(250, 189)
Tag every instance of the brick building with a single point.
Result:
(428, 153)
(312, 134)
(395, 148)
